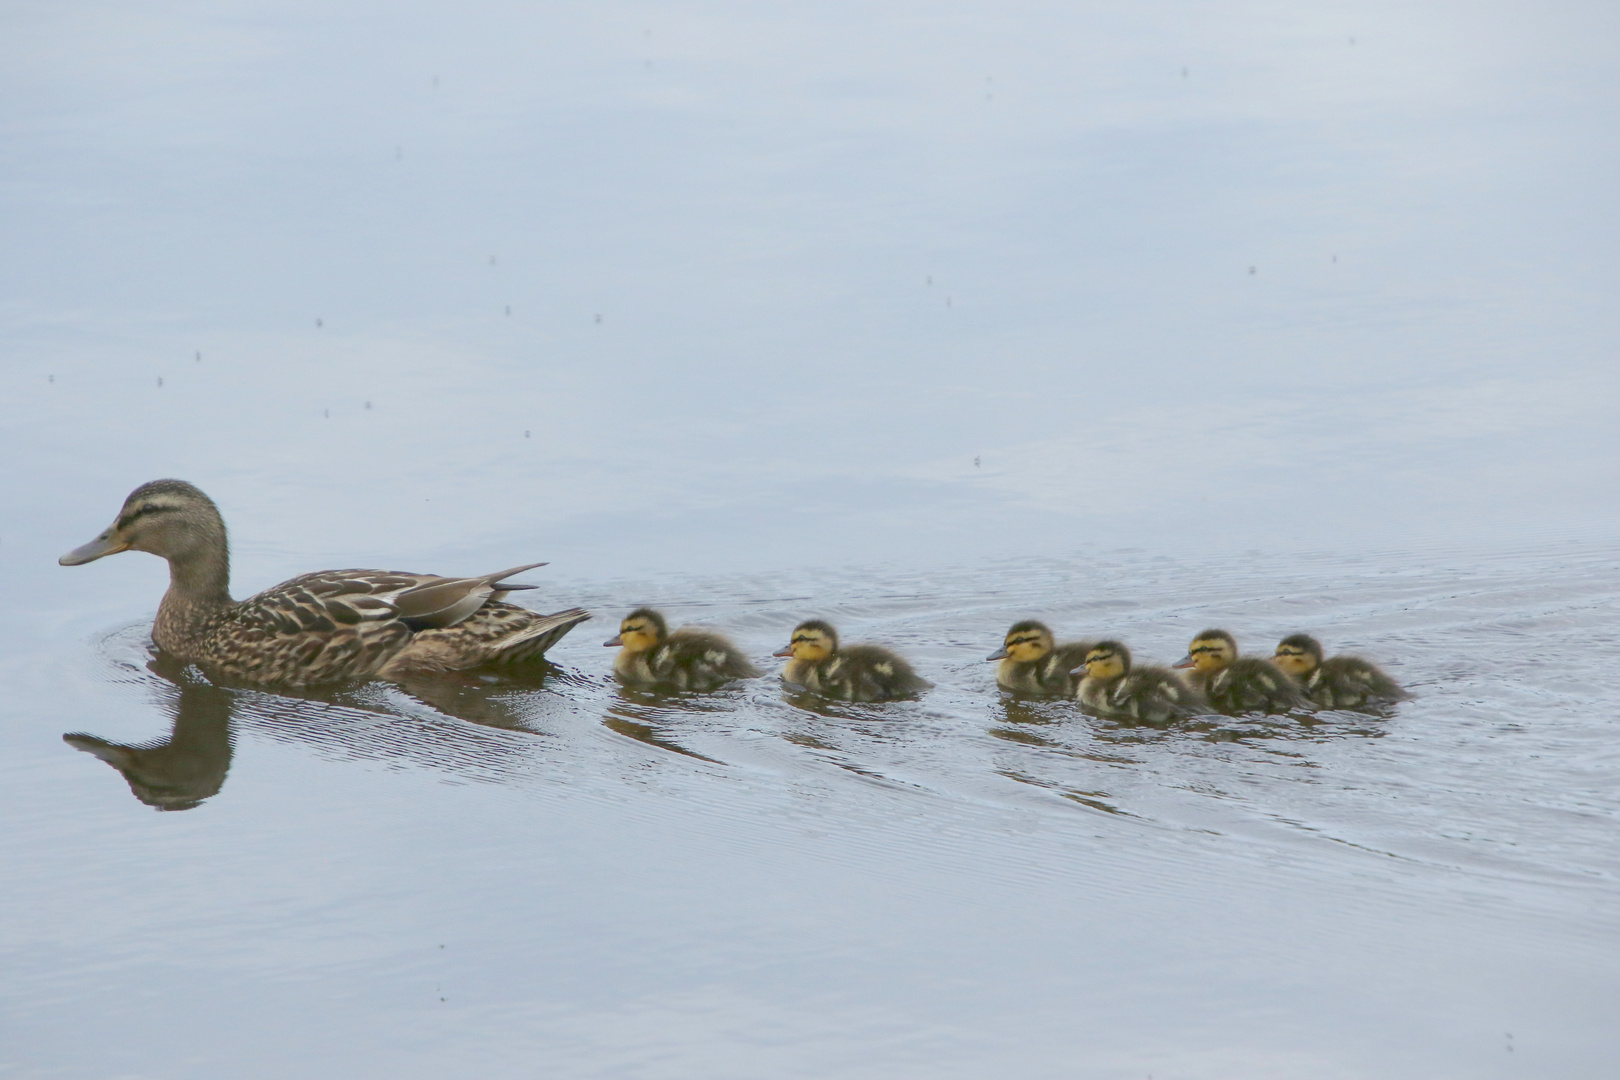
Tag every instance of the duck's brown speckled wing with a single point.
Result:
(496, 634)
(322, 627)
(338, 625)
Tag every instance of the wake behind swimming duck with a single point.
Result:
(330, 626)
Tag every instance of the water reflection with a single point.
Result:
(189, 766)
(486, 699)
(641, 715)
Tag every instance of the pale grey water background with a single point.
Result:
(777, 276)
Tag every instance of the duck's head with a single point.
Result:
(170, 518)
(812, 641)
(1026, 642)
(1107, 660)
(1298, 655)
(1210, 652)
(641, 630)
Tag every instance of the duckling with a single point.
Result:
(1339, 682)
(856, 673)
(1033, 663)
(1235, 684)
(331, 626)
(688, 659)
(1113, 687)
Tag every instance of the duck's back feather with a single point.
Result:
(1147, 693)
(1250, 685)
(689, 659)
(1349, 682)
(337, 625)
(860, 673)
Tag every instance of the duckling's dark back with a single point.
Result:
(868, 673)
(1249, 684)
(694, 659)
(1349, 682)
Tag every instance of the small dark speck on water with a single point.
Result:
(492, 260)
(326, 413)
(1251, 269)
(509, 309)
(929, 279)
(1352, 41)
(948, 302)
(599, 318)
(525, 435)
(160, 382)
(1183, 73)
(1335, 258)
(368, 404)
(399, 153)
(318, 324)
(199, 358)
(50, 378)
(435, 82)
(975, 463)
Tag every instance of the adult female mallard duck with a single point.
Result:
(325, 627)
(1033, 663)
(856, 673)
(1339, 682)
(1235, 684)
(1114, 688)
(687, 659)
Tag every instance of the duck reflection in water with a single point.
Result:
(189, 766)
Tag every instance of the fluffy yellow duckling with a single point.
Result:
(687, 659)
(1339, 682)
(1033, 663)
(1113, 687)
(856, 673)
(1235, 684)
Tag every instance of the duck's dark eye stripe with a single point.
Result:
(142, 511)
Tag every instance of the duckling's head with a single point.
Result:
(641, 630)
(1210, 652)
(1298, 655)
(170, 518)
(1107, 660)
(812, 641)
(1026, 642)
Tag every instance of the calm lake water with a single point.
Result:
(919, 318)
